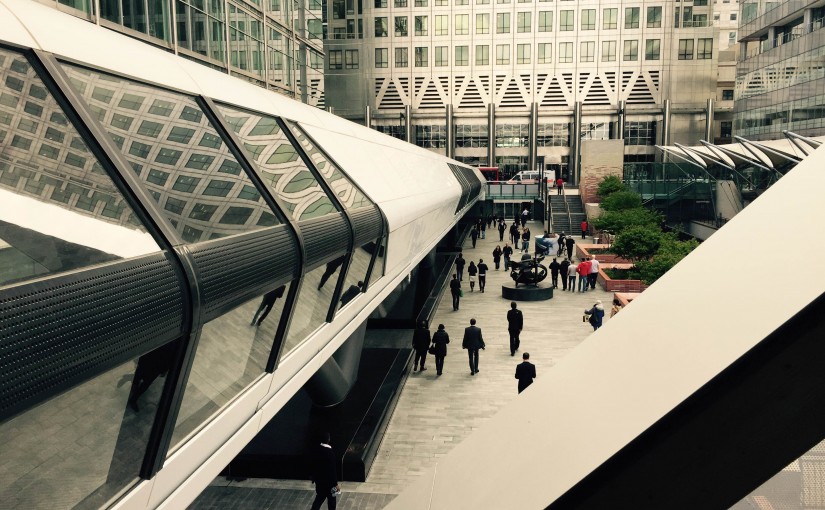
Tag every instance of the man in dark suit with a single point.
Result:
(525, 372)
(473, 341)
(324, 474)
(515, 323)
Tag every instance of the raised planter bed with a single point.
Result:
(611, 285)
(583, 251)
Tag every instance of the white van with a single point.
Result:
(531, 177)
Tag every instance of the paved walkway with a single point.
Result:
(436, 413)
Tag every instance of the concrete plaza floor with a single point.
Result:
(436, 413)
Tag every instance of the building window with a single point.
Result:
(733, 16)
(421, 3)
(462, 24)
(685, 49)
(523, 54)
(351, 59)
(336, 59)
(421, 56)
(380, 4)
(503, 23)
(654, 17)
(727, 95)
(700, 3)
(471, 136)
(608, 51)
(731, 38)
(502, 54)
(545, 53)
(462, 55)
(421, 25)
(482, 23)
(639, 133)
(566, 22)
(631, 17)
(442, 3)
(400, 3)
(596, 131)
(704, 49)
(726, 129)
(553, 135)
(381, 27)
(381, 57)
(401, 57)
(545, 21)
(512, 135)
(631, 51)
(652, 49)
(400, 26)
(399, 132)
(588, 19)
(524, 21)
(482, 2)
(587, 51)
(431, 137)
(610, 19)
(566, 52)
(442, 56)
(482, 55)
(442, 25)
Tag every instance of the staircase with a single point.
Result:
(566, 214)
(577, 214)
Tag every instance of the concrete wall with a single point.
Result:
(599, 158)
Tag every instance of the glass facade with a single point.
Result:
(471, 135)
(313, 303)
(59, 210)
(177, 154)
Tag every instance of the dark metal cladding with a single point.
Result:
(367, 223)
(325, 238)
(465, 186)
(234, 269)
(472, 178)
(59, 332)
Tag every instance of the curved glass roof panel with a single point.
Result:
(346, 191)
(59, 209)
(280, 164)
(177, 154)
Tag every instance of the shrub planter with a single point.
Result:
(611, 285)
(582, 251)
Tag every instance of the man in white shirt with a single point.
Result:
(594, 272)
(571, 276)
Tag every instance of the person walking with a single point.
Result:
(559, 186)
(525, 240)
(266, 305)
(421, 342)
(474, 235)
(459, 266)
(514, 233)
(507, 252)
(570, 242)
(595, 315)
(515, 323)
(583, 270)
(554, 272)
(572, 271)
(440, 341)
(324, 474)
(562, 239)
(472, 271)
(473, 341)
(483, 226)
(497, 256)
(584, 228)
(563, 273)
(593, 277)
(525, 372)
(482, 274)
(501, 229)
(455, 290)
(525, 214)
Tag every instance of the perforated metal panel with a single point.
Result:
(465, 186)
(367, 223)
(234, 269)
(58, 332)
(324, 238)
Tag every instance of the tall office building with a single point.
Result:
(275, 44)
(780, 82)
(517, 83)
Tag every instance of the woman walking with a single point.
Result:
(421, 341)
(440, 341)
(497, 256)
(472, 270)
(595, 315)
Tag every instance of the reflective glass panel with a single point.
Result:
(232, 353)
(59, 210)
(356, 274)
(378, 269)
(313, 302)
(280, 164)
(81, 448)
(177, 153)
(343, 188)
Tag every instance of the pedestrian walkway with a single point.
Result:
(436, 413)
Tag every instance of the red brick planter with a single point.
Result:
(612, 285)
(604, 258)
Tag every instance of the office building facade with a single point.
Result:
(517, 84)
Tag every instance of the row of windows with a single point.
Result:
(523, 21)
(524, 53)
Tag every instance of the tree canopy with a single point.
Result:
(621, 200)
(610, 184)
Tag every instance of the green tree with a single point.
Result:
(621, 200)
(637, 243)
(610, 184)
(670, 252)
(617, 221)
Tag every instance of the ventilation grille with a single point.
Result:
(597, 94)
(640, 93)
(555, 94)
(325, 238)
(430, 98)
(390, 98)
(510, 93)
(59, 332)
(471, 98)
(234, 269)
